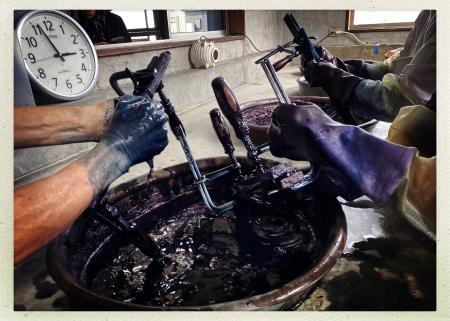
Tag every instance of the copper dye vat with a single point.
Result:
(254, 261)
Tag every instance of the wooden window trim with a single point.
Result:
(235, 22)
(235, 28)
(401, 26)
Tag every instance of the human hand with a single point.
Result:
(137, 129)
(326, 56)
(338, 84)
(317, 73)
(352, 162)
(292, 133)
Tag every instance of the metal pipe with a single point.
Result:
(200, 180)
(275, 51)
(220, 172)
(263, 148)
(275, 82)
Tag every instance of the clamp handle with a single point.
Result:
(301, 38)
(230, 107)
(222, 131)
(174, 122)
(115, 77)
(280, 64)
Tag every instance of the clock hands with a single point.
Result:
(46, 58)
(65, 54)
(58, 54)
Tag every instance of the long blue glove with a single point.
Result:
(364, 69)
(353, 162)
(136, 134)
(338, 84)
(136, 129)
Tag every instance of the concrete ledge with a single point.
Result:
(191, 87)
(129, 48)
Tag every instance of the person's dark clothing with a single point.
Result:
(106, 26)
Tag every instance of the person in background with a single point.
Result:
(103, 26)
(129, 131)
(398, 172)
(380, 89)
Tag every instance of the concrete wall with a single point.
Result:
(318, 22)
(188, 87)
(185, 86)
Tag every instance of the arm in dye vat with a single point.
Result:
(355, 163)
(45, 208)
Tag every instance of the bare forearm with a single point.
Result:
(45, 208)
(39, 126)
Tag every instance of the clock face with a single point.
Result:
(58, 55)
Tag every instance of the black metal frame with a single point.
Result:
(161, 30)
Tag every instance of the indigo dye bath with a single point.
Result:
(211, 259)
(205, 259)
(254, 259)
(260, 114)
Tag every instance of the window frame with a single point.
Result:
(160, 31)
(195, 34)
(398, 26)
(234, 25)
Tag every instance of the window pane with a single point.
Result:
(132, 19)
(135, 22)
(144, 38)
(196, 20)
(362, 17)
(150, 20)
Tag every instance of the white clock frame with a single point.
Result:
(35, 81)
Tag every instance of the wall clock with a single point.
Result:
(59, 57)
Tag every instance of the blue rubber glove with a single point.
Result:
(136, 134)
(136, 129)
(353, 162)
(338, 84)
(361, 68)
(328, 57)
